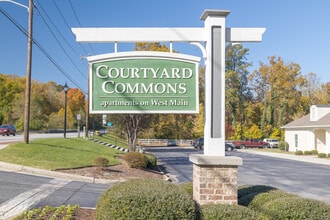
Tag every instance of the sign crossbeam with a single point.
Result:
(113, 35)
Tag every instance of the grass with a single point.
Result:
(274, 150)
(57, 153)
(111, 139)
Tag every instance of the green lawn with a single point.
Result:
(111, 139)
(57, 153)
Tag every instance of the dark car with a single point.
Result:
(229, 147)
(199, 143)
(171, 143)
(7, 129)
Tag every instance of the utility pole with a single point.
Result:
(28, 75)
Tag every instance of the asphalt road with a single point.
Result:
(20, 136)
(305, 179)
(19, 192)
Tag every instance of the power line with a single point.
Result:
(75, 14)
(52, 60)
(83, 75)
(58, 31)
(67, 25)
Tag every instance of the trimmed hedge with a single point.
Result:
(226, 212)
(296, 208)
(273, 203)
(136, 160)
(314, 152)
(299, 152)
(247, 193)
(101, 162)
(322, 155)
(284, 146)
(307, 152)
(145, 199)
(260, 199)
(152, 161)
(188, 188)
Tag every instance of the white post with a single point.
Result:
(214, 129)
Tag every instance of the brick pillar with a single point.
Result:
(215, 179)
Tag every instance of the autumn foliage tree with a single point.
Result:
(258, 102)
(278, 86)
(47, 102)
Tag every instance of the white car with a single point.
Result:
(273, 143)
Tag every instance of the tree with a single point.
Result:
(76, 100)
(44, 101)
(11, 86)
(278, 86)
(324, 94)
(253, 132)
(132, 124)
(198, 129)
(312, 88)
(238, 92)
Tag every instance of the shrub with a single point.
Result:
(152, 161)
(246, 193)
(262, 198)
(230, 212)
(284, 146)
(307, 152)
(188, 188)
(296, 208)
(101, 162)
(322, 155)
(299, 152)
(136, 160)
(145, 199)
(314, 152)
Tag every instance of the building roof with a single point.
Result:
(305, 122)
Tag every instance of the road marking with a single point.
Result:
(26, 200)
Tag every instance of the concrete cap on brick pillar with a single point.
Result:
(201, 159)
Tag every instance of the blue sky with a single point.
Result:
(297, 31)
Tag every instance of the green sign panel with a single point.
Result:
(143, 82)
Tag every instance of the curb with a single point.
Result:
(303, 158)
(52, 174)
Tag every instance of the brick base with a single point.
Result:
(215, 179)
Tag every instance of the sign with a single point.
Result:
(143, 82)
(78, 117)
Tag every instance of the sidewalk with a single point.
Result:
(302, 158)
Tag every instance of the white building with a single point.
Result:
(310, 132)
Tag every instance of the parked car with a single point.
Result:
(273, 143)
(250, 143)
(171, 143)
(229, 147)
(7, 129)
(198, 143)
